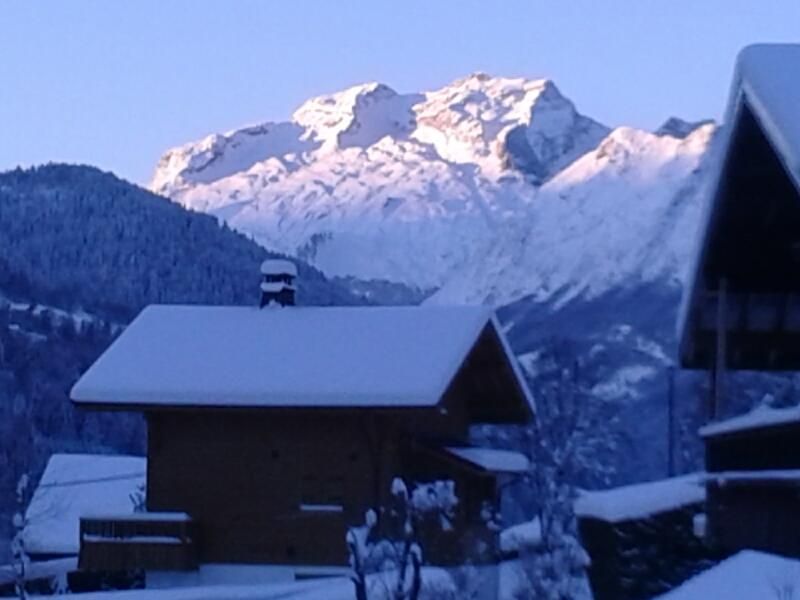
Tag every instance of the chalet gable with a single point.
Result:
(310, 358)
(746, 278)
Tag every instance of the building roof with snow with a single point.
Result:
(77, 485)
(748, 575)
(304, 357)
(641, 500)
(747, 267)
(761, 417)
(492, 460)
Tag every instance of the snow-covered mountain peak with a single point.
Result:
(499, 123)
(487, 189)
(358, 116)
(677, 127)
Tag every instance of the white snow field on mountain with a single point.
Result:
(487, 190)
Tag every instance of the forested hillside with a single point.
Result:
(82, 253)
(77, 237)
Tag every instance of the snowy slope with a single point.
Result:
(624, 213)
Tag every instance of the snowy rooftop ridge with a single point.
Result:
(760, 417)
(378, 357)
(641, 500)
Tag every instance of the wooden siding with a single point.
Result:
(768, 448)
(264, 486)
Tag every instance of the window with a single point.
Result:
(322, 494)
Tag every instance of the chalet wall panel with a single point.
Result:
(772, 448)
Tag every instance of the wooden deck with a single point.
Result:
(158, 541)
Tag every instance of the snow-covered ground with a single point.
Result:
(487, 189)
(437, 585)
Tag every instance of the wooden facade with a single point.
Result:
(754, 489)
(767, 448)
(755, 513)
(742, 307)
(283, 488)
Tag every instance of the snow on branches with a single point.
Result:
(391, 550)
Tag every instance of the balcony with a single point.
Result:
(140, 541)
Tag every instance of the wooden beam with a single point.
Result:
(721, 349)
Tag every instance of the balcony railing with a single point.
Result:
(147, 541)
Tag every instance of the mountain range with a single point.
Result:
(487, 190)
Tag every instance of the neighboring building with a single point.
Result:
(742, 309)
(643, 539)
(74, 486)
(271, 431)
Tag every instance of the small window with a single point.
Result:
(322, 494)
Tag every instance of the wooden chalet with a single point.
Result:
(271, 431)
(742, 309)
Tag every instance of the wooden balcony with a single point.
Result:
(141, 541)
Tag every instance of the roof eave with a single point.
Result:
(519, 377)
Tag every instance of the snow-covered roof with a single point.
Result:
(766, 84)
(773, 476)
(761, 417)
(494, 461)
(522, 536)
(76, 485)
(278, 266)
(748, 575)
(167, 517)
(295, 357)
(641, 500)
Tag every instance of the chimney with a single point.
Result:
(277, 282)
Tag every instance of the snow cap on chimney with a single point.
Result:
(278, 282)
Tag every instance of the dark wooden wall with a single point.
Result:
(243, 476)
(772, 448)
(755, 515)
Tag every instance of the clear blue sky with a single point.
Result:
(114, 84)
